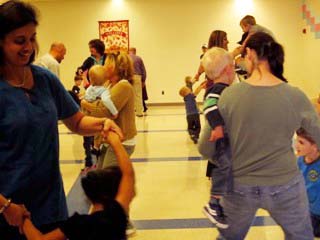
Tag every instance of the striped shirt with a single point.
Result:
(210, 106)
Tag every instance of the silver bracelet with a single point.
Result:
(5, 206)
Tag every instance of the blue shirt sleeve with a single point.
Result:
(66, 106)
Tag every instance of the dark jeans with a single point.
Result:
(315, 220)
(194, 125)
(144, 106)
(221, 175)
(87, 145)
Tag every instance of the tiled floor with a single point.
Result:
(170, 181)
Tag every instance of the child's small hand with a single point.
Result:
(216, 134)
(237, 51)
(109, 126)
(112, 138)
(115, 116)
(204, 84)
(196, 77)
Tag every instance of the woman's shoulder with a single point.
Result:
(234, 88)
(41, 72)
(122, 84)
(45, 79)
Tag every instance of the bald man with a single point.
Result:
(52, 60)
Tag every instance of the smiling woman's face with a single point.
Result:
(19, 45)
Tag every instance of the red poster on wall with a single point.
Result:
(115, 35)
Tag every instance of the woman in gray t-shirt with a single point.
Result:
(261, 116)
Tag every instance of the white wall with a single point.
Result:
(168, 35)
(309, 64)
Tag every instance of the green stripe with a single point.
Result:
(210, 102)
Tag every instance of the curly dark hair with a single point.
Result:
(98, 45)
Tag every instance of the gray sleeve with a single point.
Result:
(309, 118)
(205, 147)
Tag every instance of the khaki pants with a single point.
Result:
(137, 85)
(108, 157)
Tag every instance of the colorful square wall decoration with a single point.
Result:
(115, 35)
(311, 13)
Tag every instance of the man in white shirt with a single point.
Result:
(53, 59)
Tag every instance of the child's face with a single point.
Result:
(245, 27)
(304, 147)
(78, 82)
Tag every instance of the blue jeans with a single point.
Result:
(221, 174)
(287, 204)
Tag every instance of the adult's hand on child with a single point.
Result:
(15, 214)
(216, 134)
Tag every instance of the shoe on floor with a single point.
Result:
(214, 212)
(96, 152)
(194, 139)
(131, 230)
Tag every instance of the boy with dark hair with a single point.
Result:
(309, 165)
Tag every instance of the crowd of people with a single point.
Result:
(249, 146)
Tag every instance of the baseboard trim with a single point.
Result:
(168, 104)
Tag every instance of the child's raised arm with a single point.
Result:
(126, 188)
(32, 233)
(199, 88)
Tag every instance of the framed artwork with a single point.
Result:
(115, 35)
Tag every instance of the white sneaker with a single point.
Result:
(131, 230)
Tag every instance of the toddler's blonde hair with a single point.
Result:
(184, 91)
(98, 75)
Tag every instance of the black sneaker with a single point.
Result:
(194, 139)
(214, 212)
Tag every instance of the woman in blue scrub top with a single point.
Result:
(32, 100)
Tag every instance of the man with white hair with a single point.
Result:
(219, 69)
(52, 60)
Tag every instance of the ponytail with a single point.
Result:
(268, 49)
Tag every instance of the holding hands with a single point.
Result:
(13, 213)
(108, 126)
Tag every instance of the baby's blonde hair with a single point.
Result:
(215, 61)
(188, 79)
(98, 75)
(184, 91)
(248, 20)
